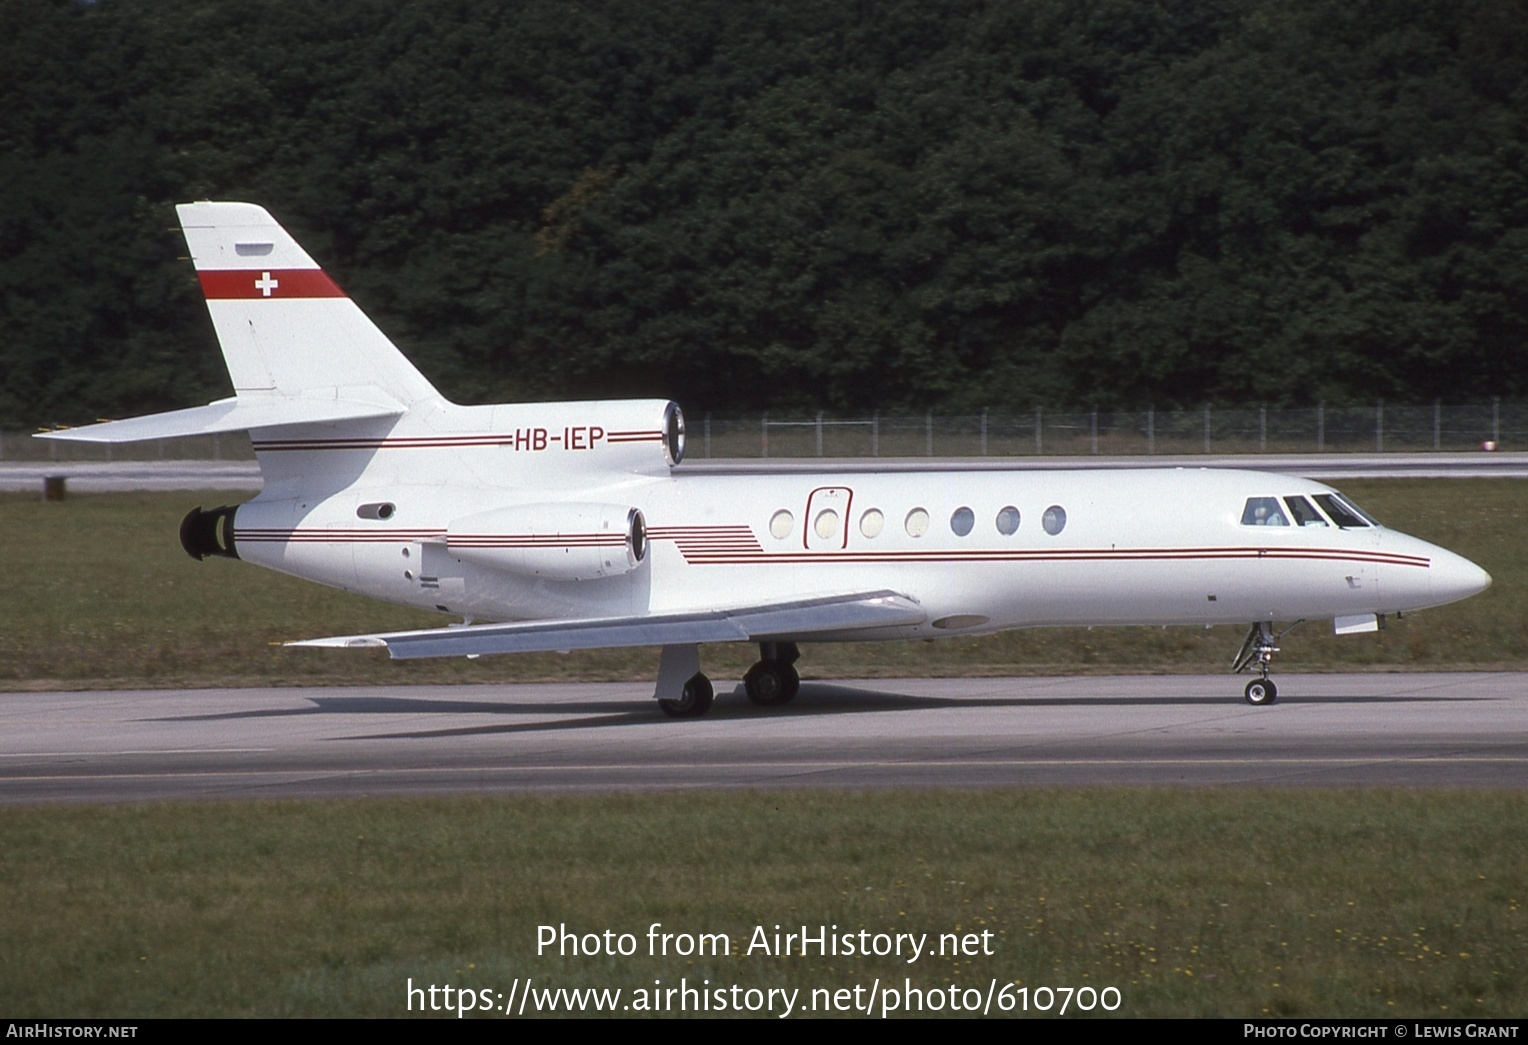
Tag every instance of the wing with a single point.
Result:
(808, 618)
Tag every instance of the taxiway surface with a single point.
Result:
(1452, 730)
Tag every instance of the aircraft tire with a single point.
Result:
(1261, 692)
(693, 702)
(771, 684)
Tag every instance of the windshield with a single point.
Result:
(1344, 512)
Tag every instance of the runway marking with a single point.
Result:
(874, 764)
(150, 751)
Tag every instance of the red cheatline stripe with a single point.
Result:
(267, 284)
(398, 443)
(723, 553)
(698, 531)
(420, 443)
(268, 536)
(716, 558)
(569, 540)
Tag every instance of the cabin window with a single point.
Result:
(917, 522)
(1263, 511)
(1008, 521)
(826, 523)
(1342, 512)
(872, 522)
(781, 524)
(1303, 514)
(1054, 519)
(962, 521)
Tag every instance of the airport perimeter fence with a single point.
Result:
(1037, 432)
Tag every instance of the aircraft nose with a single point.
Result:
(1453, 577)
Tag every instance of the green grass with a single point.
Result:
(1190, 903)
(100, 594)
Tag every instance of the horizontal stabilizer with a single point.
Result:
(232, 415)
(788, 620)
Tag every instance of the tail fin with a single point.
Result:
(284, 326)
(298, 350)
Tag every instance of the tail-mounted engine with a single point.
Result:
(565, 542)
(645, 436)
(204, 533)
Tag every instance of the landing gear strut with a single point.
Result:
(679, 672)
(1257, 650)
(773, 680)
(694, 699)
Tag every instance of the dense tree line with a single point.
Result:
(792, 204)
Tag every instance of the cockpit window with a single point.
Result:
(1343, 512)
(1263, 511)
(1365, 516)
(1303, 514)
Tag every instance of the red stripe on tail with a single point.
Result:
(268, 283)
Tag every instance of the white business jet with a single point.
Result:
(559, 526)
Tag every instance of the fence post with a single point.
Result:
(1039, 439)
(1379, 427)
(928, 427)
(875, 434)
(984, 431)
(708, 433)
(1496, 421)
(1206, 427)
(1437, 424)
(764, 435)
(819, 433)
(1093, 429)
(1320, 427)
(1151, 428)
(1262, 429)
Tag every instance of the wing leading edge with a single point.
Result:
(807, 618)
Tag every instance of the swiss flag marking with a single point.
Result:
(274, 283)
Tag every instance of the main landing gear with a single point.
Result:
(773, 681)
(679, 673)
(1257, 650)
(694, 699)
(770, 683)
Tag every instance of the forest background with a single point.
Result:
(793, 205)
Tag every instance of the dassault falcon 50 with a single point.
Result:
(559, 526)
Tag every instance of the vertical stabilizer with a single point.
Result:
(286, 329)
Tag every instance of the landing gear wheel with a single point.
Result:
(693, 702)
(1261, 692)
(771, 683)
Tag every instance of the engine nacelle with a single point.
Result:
(564, 542)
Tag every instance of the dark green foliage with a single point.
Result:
(894, 203)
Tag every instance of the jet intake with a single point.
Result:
(204, 533)
(565, 542)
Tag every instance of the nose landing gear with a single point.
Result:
(1257, 650)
